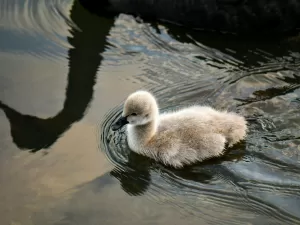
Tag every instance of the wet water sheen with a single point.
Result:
(64, 75)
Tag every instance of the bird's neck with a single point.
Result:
(140, 135)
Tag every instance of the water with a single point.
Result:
(64, 75)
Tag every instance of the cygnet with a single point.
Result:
(178, 138)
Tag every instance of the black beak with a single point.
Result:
(120, 123)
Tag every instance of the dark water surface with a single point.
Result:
(64, 75)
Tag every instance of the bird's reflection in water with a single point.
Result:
(135, 175)
(85, 57)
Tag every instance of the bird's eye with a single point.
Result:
(133, 114)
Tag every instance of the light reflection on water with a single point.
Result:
(65, 73)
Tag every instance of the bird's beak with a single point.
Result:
(120, 123)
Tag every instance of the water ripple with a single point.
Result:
(182, 74)
(43, 21)
(260, 80)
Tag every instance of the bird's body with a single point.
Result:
(181, 137)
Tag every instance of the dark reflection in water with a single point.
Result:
(31, 132)
(250, 51)
(292, 84)
(256, 182)
(135, 178)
